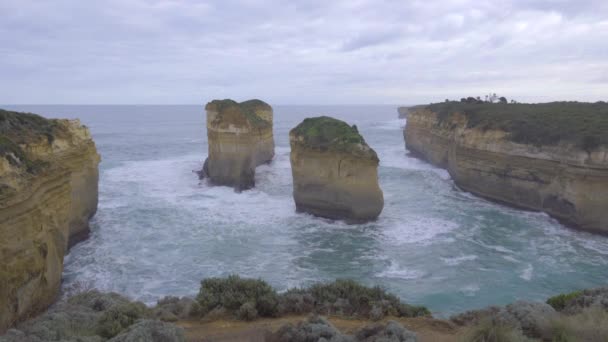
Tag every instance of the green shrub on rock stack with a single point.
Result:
(335, 172)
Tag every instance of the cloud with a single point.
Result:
(358, 51)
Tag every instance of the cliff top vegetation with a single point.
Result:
(21, 128)
(327, 133)
(582, 124)
(246, 108)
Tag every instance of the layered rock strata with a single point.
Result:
(335, 172)
(240, 138)
(565, 179)
(48, 193)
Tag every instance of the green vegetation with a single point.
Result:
(119, 317)
(247, 108)
(582, 124)
(559, 302)
(492, 331)
(327, 133)
(349, 298)
(234, 292)
(22, 128)
(249, 298)
(590, 325)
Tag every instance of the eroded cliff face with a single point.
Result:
(335, 173)
(562, 180)
(402, 111)
(240, 138)
(48, 192)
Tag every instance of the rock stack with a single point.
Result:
(240, 138)
(335, 172)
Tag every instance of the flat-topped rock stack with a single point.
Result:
(240, 138)
(335, 172)
(48, 193)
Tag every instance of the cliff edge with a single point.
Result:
(240, 138)
(549, 157)
(48, 193)
(335, 172)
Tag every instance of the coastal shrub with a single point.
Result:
(247, 312)
(590, 325)
(325, 132)
(559, 302)
(315, 328)
(348, 298)
(247, 108)
(341, 297)
(119, 317)
(582, 124)
(391, 331)
(490, 330)
(170, 309)
(232, 292)
(20, 128)
(150, 330)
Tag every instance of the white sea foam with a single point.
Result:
(397, 157)
(395, 271)
(454, 261)
(527, 273)
(470, 290)
(418, 229)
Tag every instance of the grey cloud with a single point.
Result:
(364, 51)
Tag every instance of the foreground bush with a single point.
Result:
(490, 330)
(119, 317)
(559, 302)
(249, 298)
(234, 292)
(93, 316)
(317, 328)
(591, 325)
(348, 298)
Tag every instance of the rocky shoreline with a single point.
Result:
(49, 173)
(251, 310)
(566, 177)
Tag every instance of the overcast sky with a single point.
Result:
(301, 52)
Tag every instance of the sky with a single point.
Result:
(301, 52)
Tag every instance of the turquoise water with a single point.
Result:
(159, 231)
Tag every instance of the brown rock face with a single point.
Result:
(48, 192)
(240, 138)
(402, 112)
(335, 173)
(562, 180)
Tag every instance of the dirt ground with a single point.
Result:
(427, 329)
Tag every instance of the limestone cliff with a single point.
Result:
(48, 192)
(402, 111)
(536, 157)
(240, 138)
(335, 172)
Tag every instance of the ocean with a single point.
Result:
(160, 231)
